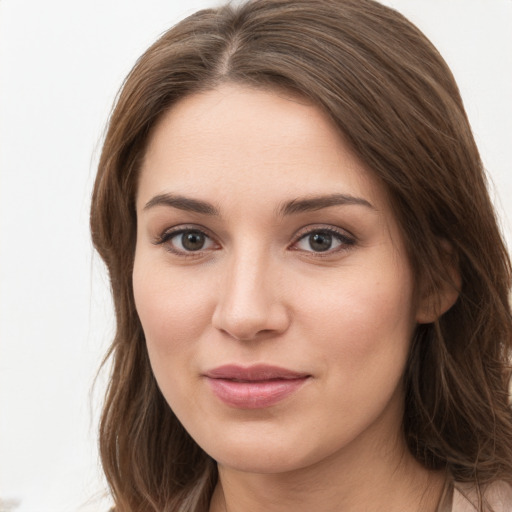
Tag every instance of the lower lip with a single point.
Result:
(254, 394)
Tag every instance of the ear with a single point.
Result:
(436, 300)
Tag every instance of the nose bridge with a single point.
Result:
(248, 300)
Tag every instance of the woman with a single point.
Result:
(311, 290)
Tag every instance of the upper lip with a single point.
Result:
(259, 372)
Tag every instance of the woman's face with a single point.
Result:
(272, 283)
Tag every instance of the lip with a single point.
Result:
(254, 387)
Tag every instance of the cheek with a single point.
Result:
(173, 312)
(362, 332)
(364, 321)
(172, 308)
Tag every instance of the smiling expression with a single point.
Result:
(271, 282)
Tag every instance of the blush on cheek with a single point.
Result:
(171, 323)
(366, 324)
(167, 333)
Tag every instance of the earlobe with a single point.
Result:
(435, 300)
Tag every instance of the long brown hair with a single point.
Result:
(396, 102)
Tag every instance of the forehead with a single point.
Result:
(251, 143)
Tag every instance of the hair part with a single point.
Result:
(395, 101)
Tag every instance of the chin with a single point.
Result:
(263, 450)
(264, 461)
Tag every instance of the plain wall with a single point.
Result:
(61, 64)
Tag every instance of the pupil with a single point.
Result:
(320, 241)
(192, 241)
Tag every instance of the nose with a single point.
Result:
(250, 299)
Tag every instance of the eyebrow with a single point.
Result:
(314, 203)
(182, 203)
(298, 205)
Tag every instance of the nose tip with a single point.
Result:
(244, 321)
(249, 306)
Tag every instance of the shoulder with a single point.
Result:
(497, 497)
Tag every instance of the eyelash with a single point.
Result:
(345, 240)
(166, 237)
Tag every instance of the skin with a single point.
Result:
(258, 291)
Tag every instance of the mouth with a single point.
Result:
(254, 387)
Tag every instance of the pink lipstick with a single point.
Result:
(254, 387)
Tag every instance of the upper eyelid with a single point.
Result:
(304, 231)
(180, 228)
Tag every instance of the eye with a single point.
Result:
(186, 240)
(323, 241)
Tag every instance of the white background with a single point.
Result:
(61, 64)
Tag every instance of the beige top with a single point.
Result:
(463, 497)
